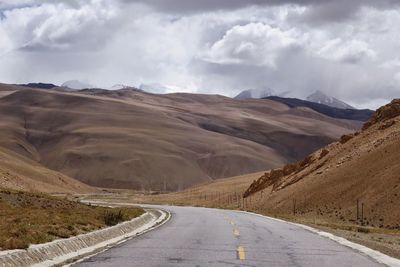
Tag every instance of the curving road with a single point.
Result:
(210, 237)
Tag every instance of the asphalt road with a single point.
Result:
(210, 237)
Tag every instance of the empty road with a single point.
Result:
(210, 237)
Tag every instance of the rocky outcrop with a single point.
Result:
(384, 113)
(274, 177)
(345, 138)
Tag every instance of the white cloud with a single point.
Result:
(391, 64)
(219, 49)
(56, 26)
(252, 44)
(397, 77)
(353, 51)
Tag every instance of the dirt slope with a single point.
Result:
(131, 139)
(20, 173)
(364, 166)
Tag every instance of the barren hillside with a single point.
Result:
(131, 139)
(361, 167)
(20, 173)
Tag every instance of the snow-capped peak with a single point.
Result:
(260, 92)
(321, 98)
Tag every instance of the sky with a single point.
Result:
(347, 49)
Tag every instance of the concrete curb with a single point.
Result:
(376, 255)
(62, 251)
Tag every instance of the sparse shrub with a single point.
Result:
(323, 153)
(113, 218)
(363, 230)
(15, 243)
(345, 138)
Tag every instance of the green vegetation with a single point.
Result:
(30, 218)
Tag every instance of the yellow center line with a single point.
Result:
(232, 223)
(241, 255)
(236, 232)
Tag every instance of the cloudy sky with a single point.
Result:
(348, 49)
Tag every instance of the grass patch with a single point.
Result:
(29, 218)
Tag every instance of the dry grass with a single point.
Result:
(28, 218)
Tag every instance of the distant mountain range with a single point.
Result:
(261, 92)
(321, 98)
(39, 85)
(316, 97)
(334, 112)
(157, 88)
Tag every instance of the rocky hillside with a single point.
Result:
(362, 167)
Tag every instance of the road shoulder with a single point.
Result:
(374, 254)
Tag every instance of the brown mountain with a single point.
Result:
(132, 139)
(361, 167)
(20, 173)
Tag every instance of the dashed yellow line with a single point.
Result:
(232, 223)
(236, 232)
(241, 255)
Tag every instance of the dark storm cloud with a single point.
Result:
(319, 10)
(211, 5)
(339, 10)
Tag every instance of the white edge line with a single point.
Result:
(376, 255)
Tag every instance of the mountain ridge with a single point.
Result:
(113, 138)
(354, 114)
(261, 92)
(317, 96)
